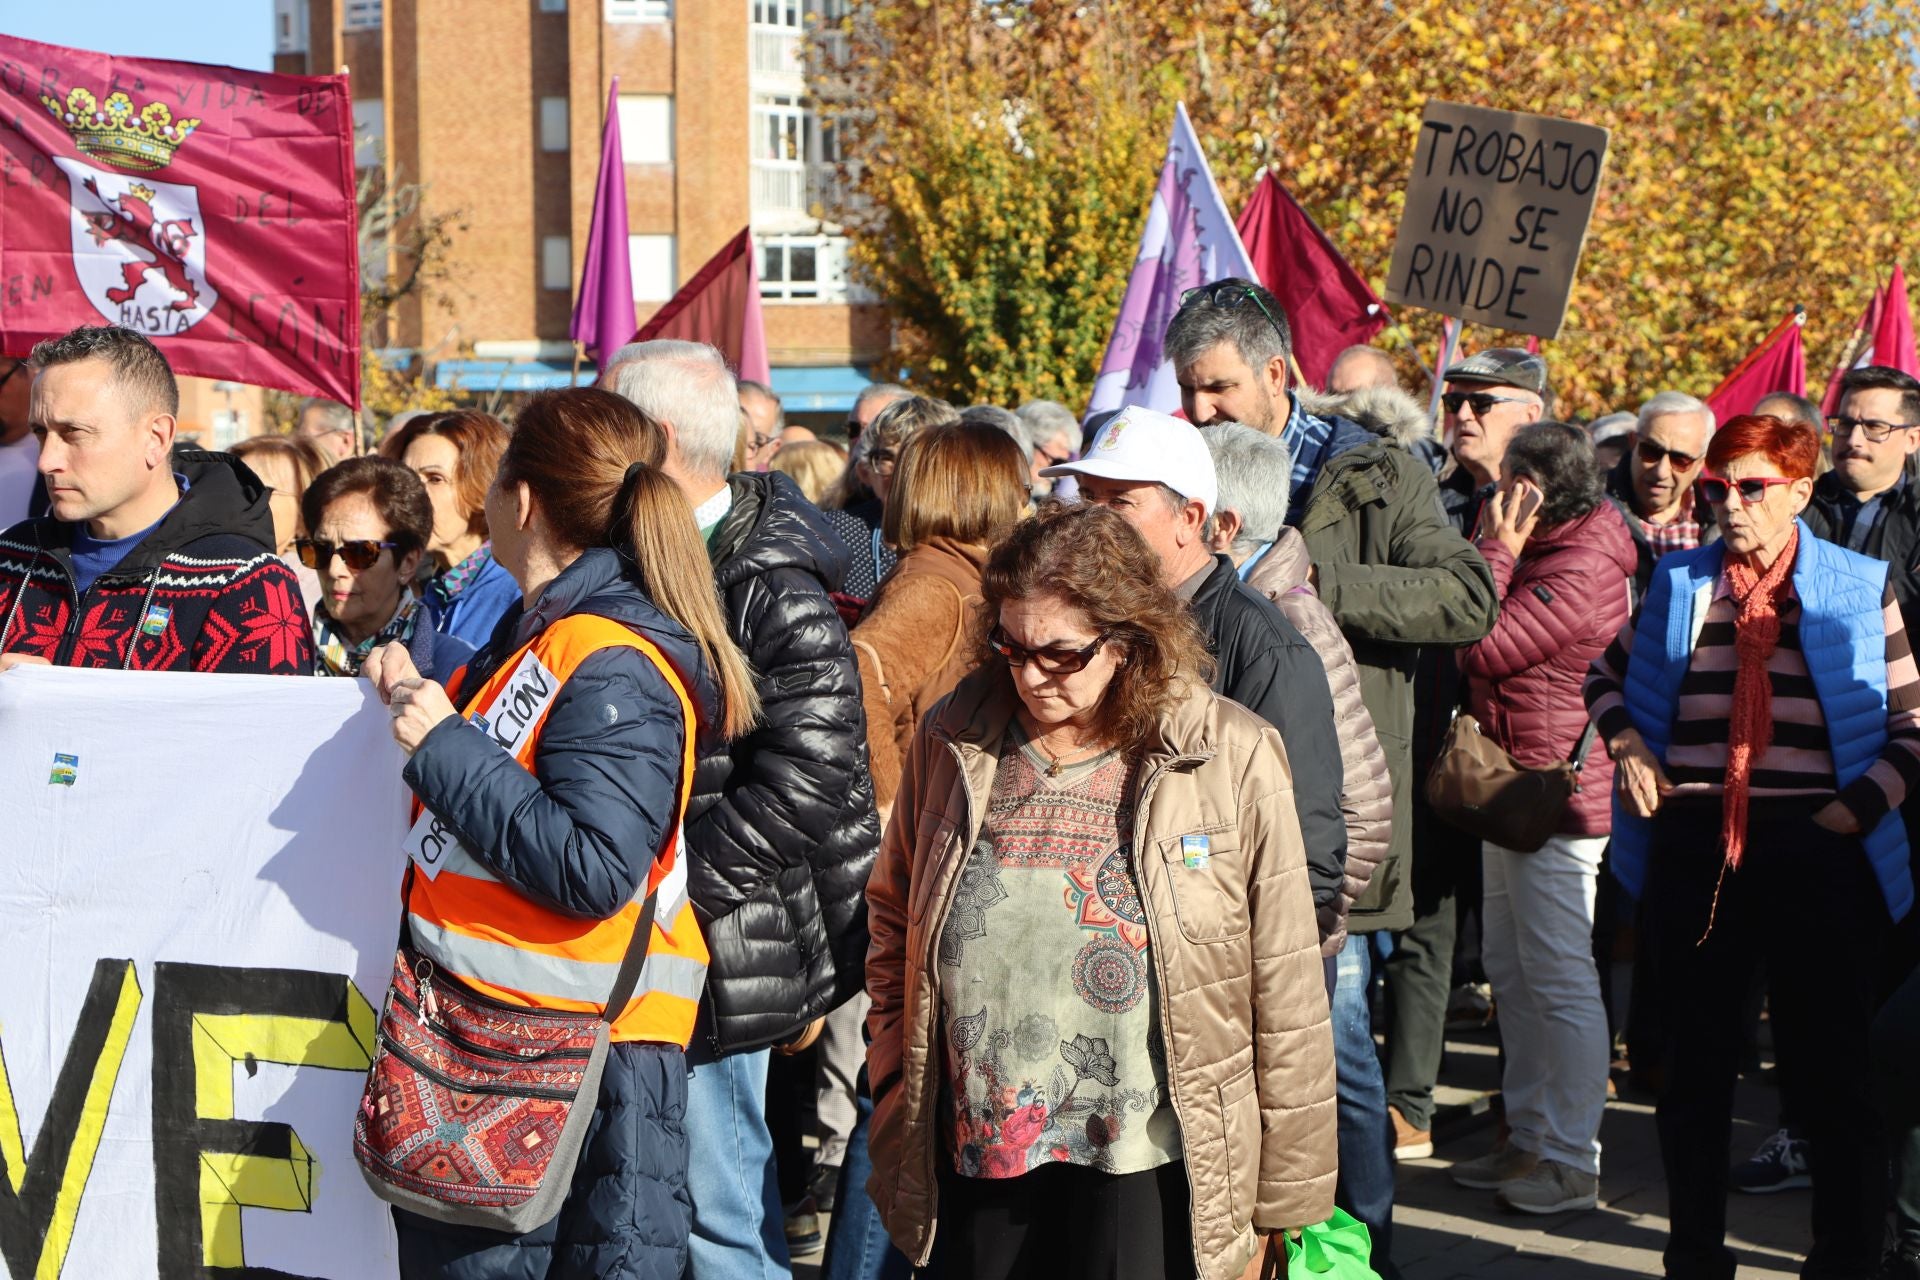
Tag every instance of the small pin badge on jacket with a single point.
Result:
(66, 770)
(1195, 851)
(156, 619)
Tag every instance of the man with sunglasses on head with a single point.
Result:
(152, 558)
(1653, 486)
(19, 451)
(1867, 503)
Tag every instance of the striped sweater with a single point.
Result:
(1800, 760)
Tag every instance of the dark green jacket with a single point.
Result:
(1396, 576)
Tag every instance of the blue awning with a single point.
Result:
(507, 375)
(819, 389)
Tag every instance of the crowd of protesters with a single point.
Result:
(1060, 846)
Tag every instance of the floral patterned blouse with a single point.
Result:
(1050, 1008)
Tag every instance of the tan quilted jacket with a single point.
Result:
(1366, 791)
(1243, 1002)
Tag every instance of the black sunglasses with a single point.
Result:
(359, 553)
(1481, 401)
(1054, 661)
(1651, 451)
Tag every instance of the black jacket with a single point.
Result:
(782, 824)
(1620, 490)
(1267, 666)
(1893, 538)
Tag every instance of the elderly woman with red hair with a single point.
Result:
(1764, 715)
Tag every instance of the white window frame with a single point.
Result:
(556, 262)
(369, 132)
(639, 10)
(553, 124)
(655, 139)
(830, 284)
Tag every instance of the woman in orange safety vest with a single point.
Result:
(557, 767)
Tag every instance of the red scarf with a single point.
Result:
(1757, 597)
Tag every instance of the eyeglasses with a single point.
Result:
(1651, 451)
(756, 443)
(1872, 428)
(1753, 489)
(881, 461)
(359, 553)
(1054, 460)
(1482, 402)
(1054, 661)
(1229, 296)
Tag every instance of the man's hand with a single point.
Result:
(1643, 784)
(8, 661)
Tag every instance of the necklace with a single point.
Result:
(1055, 763)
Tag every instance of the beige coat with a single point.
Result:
(1366, 788)
(1243, 1002)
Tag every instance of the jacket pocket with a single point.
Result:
(1209, 888)
(1240, 1124)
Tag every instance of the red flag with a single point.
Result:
(210, 208)
(1778, 364)
(720, 306)
(1859, 350)
(1331, 306)
(1893, 336)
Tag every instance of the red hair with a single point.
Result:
(1792, 447)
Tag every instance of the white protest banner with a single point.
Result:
(198, 908)
(1496, 214)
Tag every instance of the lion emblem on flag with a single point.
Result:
(139, 249)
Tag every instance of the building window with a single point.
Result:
(805, 268)
(289, 26)
(639, 10)
(646, 128)
(553, 6)
(556, 262)
(780, 13)
(362, 15)
(369, 132)
(652, 261)
(553, 124)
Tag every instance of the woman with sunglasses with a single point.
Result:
(1562, 560)
(369, 521)
(1100, 1044)
(1764, 715)
(860, 507)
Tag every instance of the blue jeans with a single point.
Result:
(1366, 1136)
(739, 1230)
(857, 1245)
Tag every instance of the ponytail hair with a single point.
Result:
(592, 462)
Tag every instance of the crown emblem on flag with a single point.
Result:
(110, 131)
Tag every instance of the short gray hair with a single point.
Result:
(992, 415)
(336, 416)
(688, 387)
(1672, 402)
(1049, 420)
(1257, 327)
(1256, 472)
(879, 390)
(749, 387)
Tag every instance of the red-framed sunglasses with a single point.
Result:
(1752, 489)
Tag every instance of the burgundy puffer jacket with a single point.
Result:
(1560, 606)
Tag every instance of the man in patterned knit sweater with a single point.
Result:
(152, 558)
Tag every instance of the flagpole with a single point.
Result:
(578, 353)
(1451, 330)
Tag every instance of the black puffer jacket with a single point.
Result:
(782, 826)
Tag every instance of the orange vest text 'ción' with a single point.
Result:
(502, 943)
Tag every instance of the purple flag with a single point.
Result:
(1190, 240)
(603, 317)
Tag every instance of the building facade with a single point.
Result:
(494, 107)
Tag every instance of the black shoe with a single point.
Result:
(803, 1228)
(1780, 1164)
(822, 1183)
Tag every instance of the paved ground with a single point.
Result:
(1445, 1232)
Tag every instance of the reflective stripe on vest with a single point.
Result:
(503, 944)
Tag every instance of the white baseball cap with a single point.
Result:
(1145, 446)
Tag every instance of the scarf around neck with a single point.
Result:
(1756, 598)
(335, 655)
(445, 588)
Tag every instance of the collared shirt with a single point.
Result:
(1858, 519)
(1254, 559)
(1191, 587)
(1307, 438)
(1682, 533)
(710, 513)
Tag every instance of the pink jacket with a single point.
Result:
(1560, 606)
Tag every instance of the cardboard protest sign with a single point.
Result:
(1496, 214)
(198, 909)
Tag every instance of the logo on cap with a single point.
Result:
(1111, 440)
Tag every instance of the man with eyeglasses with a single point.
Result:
(152, 558)
(766, 419)
(19, 451)
(1868, 503)
(1654, 485)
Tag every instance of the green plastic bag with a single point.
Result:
(1338, 1247)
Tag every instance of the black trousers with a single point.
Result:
(1805, 906)
(1063, 1222)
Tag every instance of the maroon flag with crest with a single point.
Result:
(210, 208)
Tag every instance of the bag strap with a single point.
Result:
(1579, 757)
(629, 975)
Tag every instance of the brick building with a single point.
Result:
(495, 106)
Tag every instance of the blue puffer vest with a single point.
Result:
(1842, 637)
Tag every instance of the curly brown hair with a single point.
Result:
(1091, 559)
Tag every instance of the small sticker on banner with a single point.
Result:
(1195, 851)
(66, 770)
(155, 622)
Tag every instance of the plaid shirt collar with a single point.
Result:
(1306, 437)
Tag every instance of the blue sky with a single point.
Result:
(237, 33)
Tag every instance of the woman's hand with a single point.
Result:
(417, 704)
(1510, 517)
(1836, 817)
(1270, 1259)
(1643, 784)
